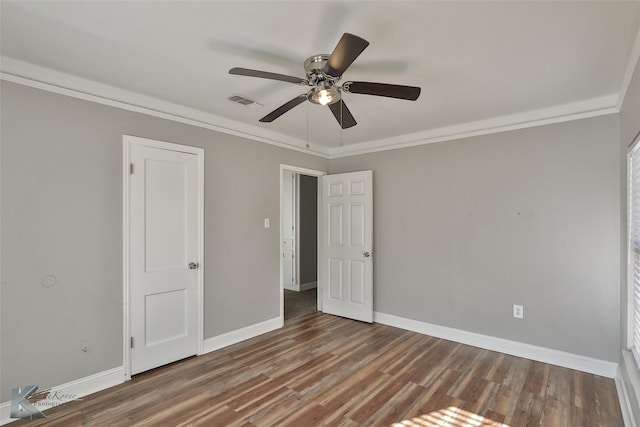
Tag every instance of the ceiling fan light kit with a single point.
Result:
(324, 94)
(323, 73)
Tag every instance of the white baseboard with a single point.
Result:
(233, 337)
(308, 285)
(76, 389)
(541, 354)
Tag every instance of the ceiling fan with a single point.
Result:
(323, 73)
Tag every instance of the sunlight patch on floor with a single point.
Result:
(450, 417)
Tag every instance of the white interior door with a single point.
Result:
(346, 261)
(164, 256)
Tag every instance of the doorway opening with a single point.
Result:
(298, 241)
(344, 229)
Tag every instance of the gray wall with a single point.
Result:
(61, 177)
(629, 128)
(308, 228)
(465, 229)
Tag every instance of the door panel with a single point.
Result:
(346, 264)
(356, 230)
(335, 279)
(161, 328)
(335, 225)
(164, 240)
(164, 205)
(356, 281)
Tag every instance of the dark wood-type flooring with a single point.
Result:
(325, 370)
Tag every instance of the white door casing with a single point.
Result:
(345, 273)
(165, 253)
(289, 243)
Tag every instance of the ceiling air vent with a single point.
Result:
(245, 101)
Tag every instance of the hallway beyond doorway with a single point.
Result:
(299, 303)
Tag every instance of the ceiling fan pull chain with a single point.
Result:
(341, 122)
(307, 125)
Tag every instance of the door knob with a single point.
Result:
(367, 254)
(193, 266)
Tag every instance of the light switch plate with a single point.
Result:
(518, 311)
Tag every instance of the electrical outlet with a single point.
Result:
(518, 311)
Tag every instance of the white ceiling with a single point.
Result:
(482, 66)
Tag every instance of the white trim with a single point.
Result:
(541, 354)
(242, 334)
(630, 285)
(78, 388)
(201, 258)
(50, 80)
(564, 113)
(628, 326)
(126, 236)
(308, 285)
(628, 373)
(625, 403)
(296, 219)
(634, 57)
(127, 142)
(38, 77)
(303, 171)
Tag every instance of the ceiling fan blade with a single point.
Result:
(284, 108)
(346, 51)
(342, 114)
(267, 75)
(410, 93)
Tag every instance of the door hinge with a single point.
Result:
(131, 168)
(132, 342)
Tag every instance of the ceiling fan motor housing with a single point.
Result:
(324, 91)
(314, 66)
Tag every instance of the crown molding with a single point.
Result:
(563, 113)
(54, 81)
(38, 77)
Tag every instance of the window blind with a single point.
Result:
(634, 247)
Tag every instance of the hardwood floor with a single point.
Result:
(325, 370)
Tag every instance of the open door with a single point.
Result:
(345, 274)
